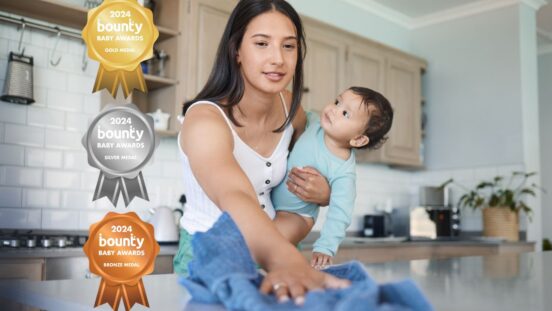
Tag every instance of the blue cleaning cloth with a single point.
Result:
(223, 272)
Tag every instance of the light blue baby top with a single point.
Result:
(311, 150)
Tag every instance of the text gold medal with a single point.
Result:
(120, 35)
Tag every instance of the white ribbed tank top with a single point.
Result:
(264, 173)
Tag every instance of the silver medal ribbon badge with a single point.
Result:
(120, 142)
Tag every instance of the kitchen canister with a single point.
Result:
(18, 87)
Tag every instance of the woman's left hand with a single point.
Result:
(309, 185)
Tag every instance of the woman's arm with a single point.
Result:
(306, 183)
(208, 144)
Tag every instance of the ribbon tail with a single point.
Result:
(133, 187)
(134, 294)
(109, 80)
(108, 294)
(107, 187)
(133, 80)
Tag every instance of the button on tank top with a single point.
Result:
(264, 173)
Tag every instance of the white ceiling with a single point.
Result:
(418, 8)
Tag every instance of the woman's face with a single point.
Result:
(268, 52)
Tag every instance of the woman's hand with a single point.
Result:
(294, 279)
(309, 185)
(320, 260)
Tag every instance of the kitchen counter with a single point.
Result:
(54, 252)
(507, 282)
(171, 250)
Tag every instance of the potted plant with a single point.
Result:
(500, 203)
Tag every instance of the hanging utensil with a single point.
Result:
(18, 86)
(84, 57)
(52, 61)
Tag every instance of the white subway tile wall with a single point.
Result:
(11, 197)
(43, 166)
(53, 219)
(11, 155)
(35, 157)
(23, 135)
(22, 176)
(46, 182)
(41, 198)
(20, 218)
(1, 133)
(42, 117)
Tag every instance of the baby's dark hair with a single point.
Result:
(381, 116)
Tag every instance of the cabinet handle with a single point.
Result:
(306, 90)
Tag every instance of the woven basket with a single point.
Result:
(501, 222)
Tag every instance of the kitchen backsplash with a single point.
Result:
(46, 182)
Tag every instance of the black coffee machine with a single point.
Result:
(376, 225)
(436, 202)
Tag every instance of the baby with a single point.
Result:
(360, 118)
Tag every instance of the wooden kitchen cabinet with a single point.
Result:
(324, 66)
(403, 89)
(20, 269)
(337, 60)
(204, 24)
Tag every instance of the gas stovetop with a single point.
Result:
(42, 241)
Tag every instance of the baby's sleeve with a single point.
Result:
(338, 217)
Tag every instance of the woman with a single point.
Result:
(234, 143)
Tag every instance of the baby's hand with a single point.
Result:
(320, 260)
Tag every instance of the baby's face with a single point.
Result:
(346, 118)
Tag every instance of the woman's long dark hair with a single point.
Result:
(226, 81)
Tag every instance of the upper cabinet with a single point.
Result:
(337, 60)
(403, 89)
(323, 68)
(205, 24)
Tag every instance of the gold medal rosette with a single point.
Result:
(120, 35)
(121, 249)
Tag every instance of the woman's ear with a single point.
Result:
(359, 141)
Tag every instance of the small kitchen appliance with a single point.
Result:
(435, 217)
(376, 225)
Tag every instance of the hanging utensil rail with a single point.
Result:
(42, 26)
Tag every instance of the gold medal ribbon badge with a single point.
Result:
(120, 35)
(121, 249)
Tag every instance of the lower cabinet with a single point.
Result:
(17, 269)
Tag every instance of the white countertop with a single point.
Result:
(507, 282)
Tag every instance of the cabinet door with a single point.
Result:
(403, 88)
(323, 68)
(207, 21)
(366, 68)
(20, 269)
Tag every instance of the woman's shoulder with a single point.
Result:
(204, 113)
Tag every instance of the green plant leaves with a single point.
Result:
(495, 194)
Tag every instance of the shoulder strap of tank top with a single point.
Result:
(205, 102)
(284, 103)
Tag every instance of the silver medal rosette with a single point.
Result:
(120, 142)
